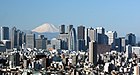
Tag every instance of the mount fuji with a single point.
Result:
(48, 30)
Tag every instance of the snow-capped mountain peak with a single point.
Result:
(46, 28)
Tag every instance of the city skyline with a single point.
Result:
(121, 16)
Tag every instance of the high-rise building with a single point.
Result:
(131, 39)
(91, 35)
(40, 44)
(69, 28)
(64, 39)
(81, 32)
(14, 37)
(112, 35)
(123, 43)
(93, 52)
(118, 45)
(81, 38)
(62, 29)
(102, 38)
(81, 45)
(72, 45)
(30, 41)
(56, 43)
(4, 33)
(100, 30)
(128, 52)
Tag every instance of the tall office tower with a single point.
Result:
(23, 37)
(112, 35)
(93, 52)
(4, 33)
(69, 28)
(56, 43)
(41, 42)
(64, 39)
(91, 35)
(123, 43)
(131, 39)
(81, 38)
(14, 37)
(100, 30)
(62, 29)
(30, 41)
(118, 45)
(81, 32)
(102, 38)
(128, 52)
(19, 38)
(81, 45)
(72, 40)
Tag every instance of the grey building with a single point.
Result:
(93, 52)
(7, 44)
(56, 44)
(72, 43)
(62, 29)
(30, 41)
(118, 45)
(91, 35)
(131, 39)
(102, 38)
(69, 28)
(81, 38)
(81, 32)
(14, 37)
(64, 39)
(81, 45)
(4, 33)
(40, 43)
(2, 47)
(123, 43)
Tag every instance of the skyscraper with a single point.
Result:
(14, 37)
(102, 38)
(100, 30)
(112, 35)
(72, 40)
(91, 35)
(123, 43)
(81, 32)
(81, 38)
(131, 39)
(4, 33)
(69, 28)
(30, 41)
(93, 52)
(62, 29)
(118, 44)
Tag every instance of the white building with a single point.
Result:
(112, 35)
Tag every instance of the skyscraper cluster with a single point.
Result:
(74, 51)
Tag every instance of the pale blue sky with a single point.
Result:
(122, 16)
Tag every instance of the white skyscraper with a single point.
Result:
(92, 34)
(112, 35)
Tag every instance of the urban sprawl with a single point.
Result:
(81, 51)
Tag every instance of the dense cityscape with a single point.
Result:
(75, 51)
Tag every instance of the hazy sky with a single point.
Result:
(122, 16)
